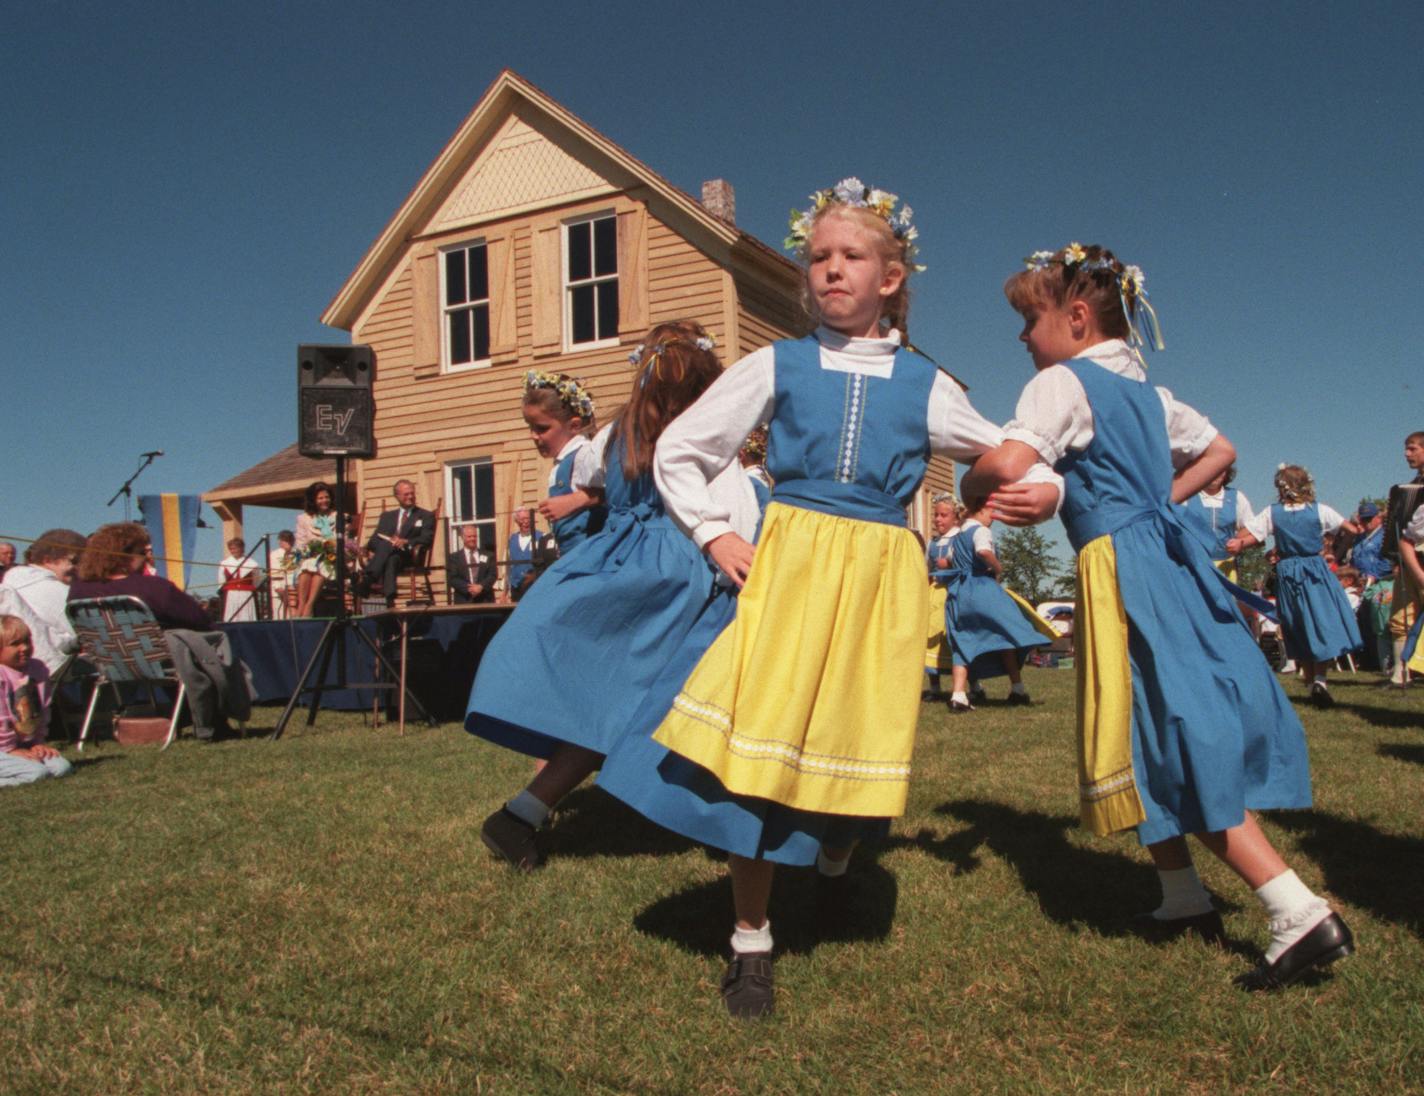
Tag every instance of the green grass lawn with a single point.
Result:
(318, 914)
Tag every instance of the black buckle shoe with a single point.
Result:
(1019, 698)
(1328, 941)
(747, 986)
(1206, 926)
(1320, 696)
(511, 839)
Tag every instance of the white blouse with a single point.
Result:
(1054, 416)
(1244, 513)
(1261, 526)
(706, 437)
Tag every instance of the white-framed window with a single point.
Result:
(469, 485)
(591, 280)
(465, 297)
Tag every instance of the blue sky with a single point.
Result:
(186, 187)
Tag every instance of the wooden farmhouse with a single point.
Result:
(532, 241)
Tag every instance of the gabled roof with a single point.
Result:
(277, 475)
(509, 91)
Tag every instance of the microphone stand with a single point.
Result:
(127, 489)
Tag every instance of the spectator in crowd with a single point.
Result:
(316, 532)
(7, 556)
(1408, 596)
(1377, 574)
(519, 553)
(279, 561)
(399, 534)
(239, 583)
(471, 572)
(24, 710)
(219, 686)
(36, 591)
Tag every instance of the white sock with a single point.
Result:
(528, 807)
(745, 940)
(1182, 895)
(1017, 689)
(958, 698)
(1396, 675)
(1320, 678)
(831, 869)
(1294, 909)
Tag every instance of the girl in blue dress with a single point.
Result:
(1182, 726)
(1218, 512)
(944, 523)
(990, 629)
(791, 735)
(565, 676)
(1317, 622)
(559, 411)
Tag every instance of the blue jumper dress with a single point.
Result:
(1316, 620)
(1214, 526)
(573, 530)
(575, 661)
(1211, 734)
(835, 603)
(981, 618)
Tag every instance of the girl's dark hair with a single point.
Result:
(672, 372)
(309, 504)
(109, 546)
(1094, 279)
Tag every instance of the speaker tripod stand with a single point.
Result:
(334, 636)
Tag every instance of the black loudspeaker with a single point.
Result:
(336, 416)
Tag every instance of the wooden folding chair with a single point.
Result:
(418, 572)
(121, 639)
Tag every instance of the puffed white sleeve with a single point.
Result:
(957, 430)
(701, 442)
(1052, 415)
(1261, 526)
(1189, 432)
(1330, 518)
(590, 460)
(983, 539)
(1244, 513)
(1414, 531)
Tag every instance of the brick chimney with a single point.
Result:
(720, 200)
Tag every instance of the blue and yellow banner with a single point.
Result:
(172, 524)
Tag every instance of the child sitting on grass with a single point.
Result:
(24, 710)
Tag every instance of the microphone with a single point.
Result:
(154, 453)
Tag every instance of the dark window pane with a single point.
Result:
(460, 481)
(581, 308)
(605, 246)
(479, 274)
(580, 265)
(487, 537)
(480, 315)
(455, 277)
(459, 337)
(484, 491)
(607, 309)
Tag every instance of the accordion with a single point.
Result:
(1404, 500)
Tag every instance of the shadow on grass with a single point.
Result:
(416, 1044)
(590, 822)
(1380, 872)
(1402, 751)
(1073, 885)
(1384, 717)
(699, 918)
(79, 761)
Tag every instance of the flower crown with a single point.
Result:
(1143, 328)
(852, 192)
(571, 391)
(754, 447)
(654, 356)
(1287, 491)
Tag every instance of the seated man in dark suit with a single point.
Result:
(399, 533)
(470, 571)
